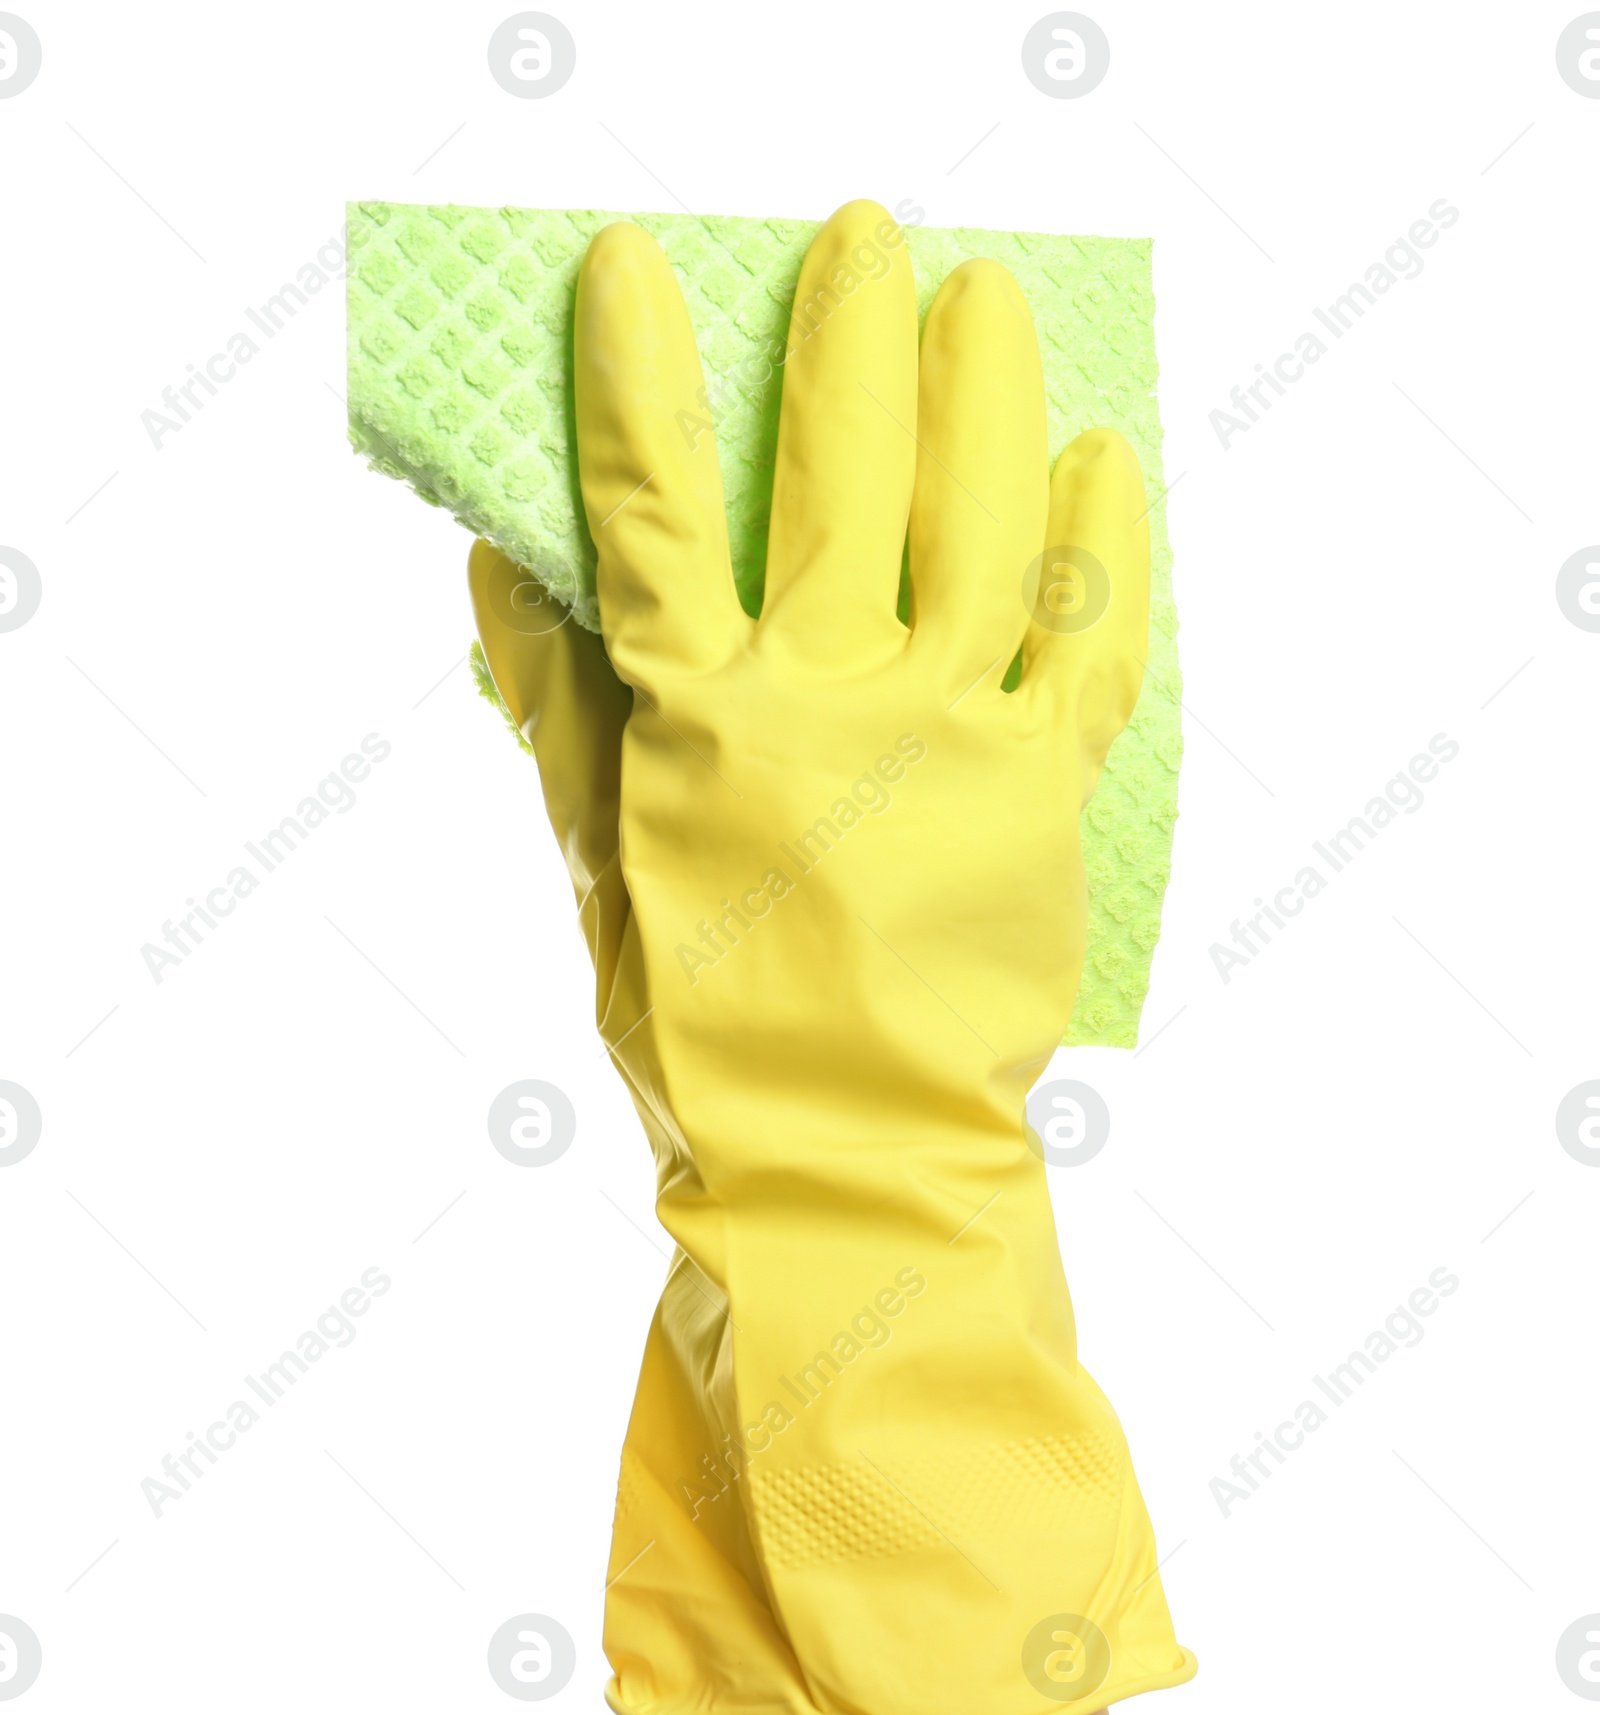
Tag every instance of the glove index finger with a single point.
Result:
(647, 461)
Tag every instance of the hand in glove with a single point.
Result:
(829, 872)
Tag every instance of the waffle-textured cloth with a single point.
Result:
(460, 385)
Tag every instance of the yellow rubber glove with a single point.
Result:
(829, 872)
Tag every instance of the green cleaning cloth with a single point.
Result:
(460, 385)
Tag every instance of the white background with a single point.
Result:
(1367, 1101)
